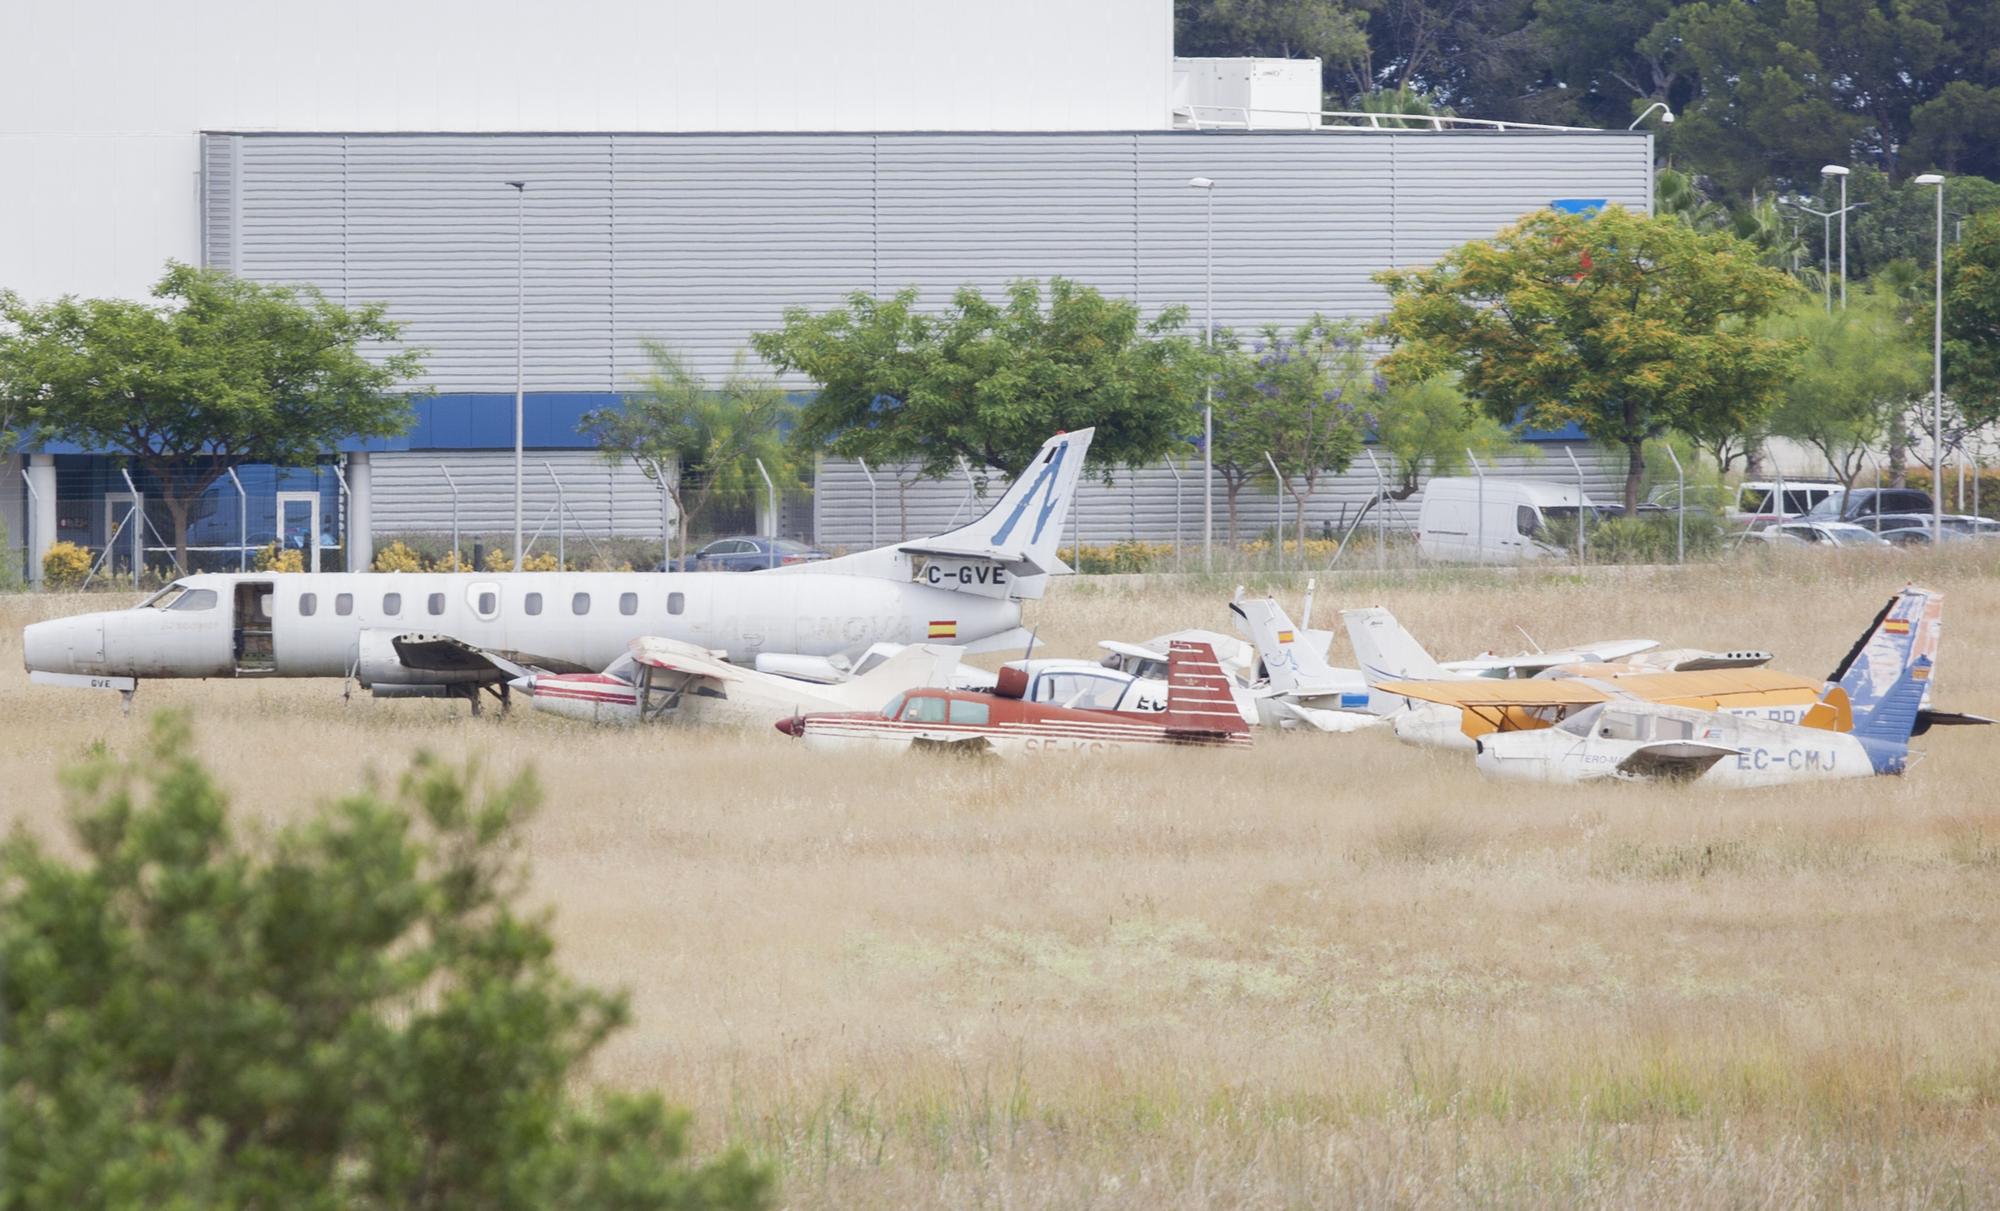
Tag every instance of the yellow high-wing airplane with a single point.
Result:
(1487, 705)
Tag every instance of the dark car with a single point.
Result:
(747, 553)
(1861, 505)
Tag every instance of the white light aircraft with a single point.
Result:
(454, 634)
(664, 679)
(1860, 727)
(1388, 652)
(1299, 686)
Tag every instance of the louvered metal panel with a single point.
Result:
(700, 240)
(1144, 504)
(220, 201)
(411, 495)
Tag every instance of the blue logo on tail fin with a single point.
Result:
(1887, 675)
(1045, 483)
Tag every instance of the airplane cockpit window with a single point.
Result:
(895, 707)
(969, 713)
(624, 668)
(1583, 723)
(1666, 727)
(165, 598)
(194, 599)
(580, 604)
(676, 602)
(308, 602)
(924, 710)
(343, 604)
(1080, 691)
(628, 603)
(435, 603)
(531, 604)
(1620, 725)
(392, 604)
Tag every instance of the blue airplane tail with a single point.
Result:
(1886, 674)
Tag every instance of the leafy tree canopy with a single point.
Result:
(990, 381)
(1298, 397)
(219, 371)
(1858, 367)
(1971, 320)
(356, 1015)
(1429, 427)
(1625, 325)
(702, 443)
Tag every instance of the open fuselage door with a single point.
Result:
(253, 642)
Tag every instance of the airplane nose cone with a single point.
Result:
(43, 649)
(791, 725)
(524, 685)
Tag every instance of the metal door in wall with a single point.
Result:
(298, 525)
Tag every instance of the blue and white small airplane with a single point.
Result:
(1861, 725)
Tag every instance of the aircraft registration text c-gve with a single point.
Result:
(965, 574)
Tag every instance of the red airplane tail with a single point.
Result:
(1199, 698)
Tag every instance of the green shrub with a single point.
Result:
(356, 1014)
(65, 565)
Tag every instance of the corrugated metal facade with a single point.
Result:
(413, 496)
(1154, 504)
(698, 240)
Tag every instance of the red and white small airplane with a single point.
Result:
(1200, 711)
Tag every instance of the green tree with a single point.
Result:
(1625, 325)
(357, 1014)
(701, 443)
(1429, 427)
(1857, 370)
(219, 371)
(989, 381)
(1971, 319)
(1301, 394)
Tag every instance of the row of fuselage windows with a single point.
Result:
(486, 604)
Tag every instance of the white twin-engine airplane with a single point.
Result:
(450, 634)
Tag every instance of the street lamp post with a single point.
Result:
(1836, 170)
(1826, 218)
(1666, 119)
(520, 189)
(1937, 370)
(1207, 186)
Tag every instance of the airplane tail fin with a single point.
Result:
(1885, 675)
(1287, 662)
(1387, 652)
(1199, 699)
(1007, 552)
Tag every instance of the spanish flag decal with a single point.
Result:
(1284, 636)
(947, 629)
(1897, 626)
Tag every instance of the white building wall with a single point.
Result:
(103, 100)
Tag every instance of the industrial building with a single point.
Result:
(689, 171)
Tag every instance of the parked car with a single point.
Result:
(1820, 533)
(1914, 529)
(747, 553)
(1861, 505)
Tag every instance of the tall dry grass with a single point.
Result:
(1333, 970)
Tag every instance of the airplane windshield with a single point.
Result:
(165, 598)
(1581, 723)
(895, 707)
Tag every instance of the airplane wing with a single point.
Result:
(1690, 661)
(1674, 760)
(443, 654)
(1527, 664)
(1326, 721)
(1721, 689)
(1495, 693)
(673, 656)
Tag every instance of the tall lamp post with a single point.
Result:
(520, 189)
(1653, 182)
(1207, 186)
(1937, 370)
(1837, 170)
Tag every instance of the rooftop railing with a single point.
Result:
(1243, 117)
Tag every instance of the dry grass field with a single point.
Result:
(1331, 971)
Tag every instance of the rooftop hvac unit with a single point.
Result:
(1261, 94)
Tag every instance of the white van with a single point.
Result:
(1506, 521)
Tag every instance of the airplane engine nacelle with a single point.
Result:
(377, 663)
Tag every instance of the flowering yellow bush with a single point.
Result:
(398, 558)
(1128, 556)
(1316, 548)
(64, 566)
(275, 558)
(503, 561)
